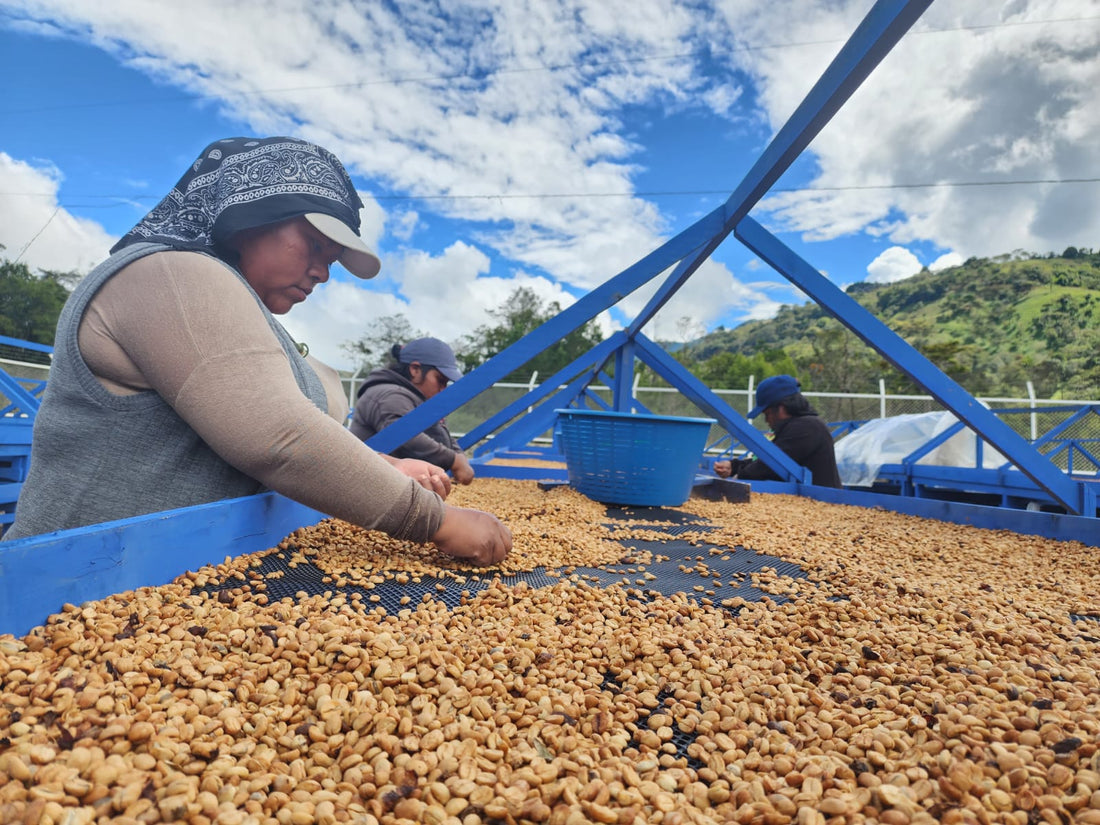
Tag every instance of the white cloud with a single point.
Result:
(489, 124)
(372, 221)
(436, 294)
(36, 229)
(706, 299)
(496, 104)
(403, 224)
(447, 296)
(946, 261)
(335, 313)
(973, 93)
(895, 264)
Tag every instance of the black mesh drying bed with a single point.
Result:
(698, 571)
(664, 564)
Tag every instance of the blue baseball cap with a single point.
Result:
(773, 390)
(431, 352)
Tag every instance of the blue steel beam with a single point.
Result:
(1070, 494)
(676, 278)
(587, 395)
(624, 376)
(590, 395)
(934, 442)
(602, 297)
(1056, 432)
(635, 405)
(705, 399)
(1053, 438)
(21, 399)
(542, 417)
(22, 344)
(597, 355)
(877, 34)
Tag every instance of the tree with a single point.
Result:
(31, 304)
(372, 350)
(731, 370)
(522, 312)
(838, 361)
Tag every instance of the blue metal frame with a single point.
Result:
(703, 397)
(19, 343)
(1056, 526)
(23, 400)
(1013, 487)
(1070, 446)
(547, 334)
(15, 457)
(1074, 496)
(880, 30)
(590, 360)
(876, 35)
(16, 424)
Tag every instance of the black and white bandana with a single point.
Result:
(241, 183)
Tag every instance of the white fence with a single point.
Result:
(833, 407)
(668, 401)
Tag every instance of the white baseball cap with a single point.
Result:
(356, 257)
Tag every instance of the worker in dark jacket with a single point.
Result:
(798, 431)
(419, 370)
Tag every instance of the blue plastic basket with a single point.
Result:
(624, 458)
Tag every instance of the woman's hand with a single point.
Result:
(474, 536)
(426, 474)
(461, 469)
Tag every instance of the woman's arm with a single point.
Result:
(185, 326)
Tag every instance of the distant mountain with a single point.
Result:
(992, 324)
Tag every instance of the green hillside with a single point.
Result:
(991, 324)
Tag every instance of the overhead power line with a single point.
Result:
(695, 192)
(639, 194)
(437, 78)
(27, 245)
(508, 196)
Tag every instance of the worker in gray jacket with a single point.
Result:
(419, 370)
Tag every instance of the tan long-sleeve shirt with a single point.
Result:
(180, 324)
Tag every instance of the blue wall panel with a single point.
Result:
(39, 575)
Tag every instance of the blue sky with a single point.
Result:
(552, 144)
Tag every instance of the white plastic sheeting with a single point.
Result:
(861, 454)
